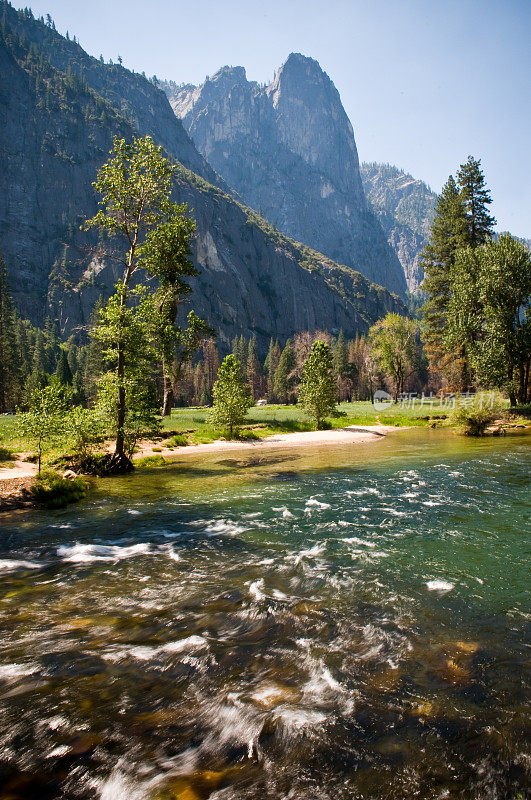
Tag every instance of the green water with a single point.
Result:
(347, 622)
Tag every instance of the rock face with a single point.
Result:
(406, 208)
(57, 121)
(288, 150)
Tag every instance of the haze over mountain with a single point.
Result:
(288, 149)
(59, 110)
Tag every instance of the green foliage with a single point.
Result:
(44, 424)
(461, 220)
(395, 347)
(150, 461)
(448, 234)
(54, 491)
(135, 186)
(63, 373)
(285, 376)
(476, 198)
(232, 395)
(473, 415)
(179, 440)
(489, 313)
(84, 429)
(318, 388)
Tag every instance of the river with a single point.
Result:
(333, 623)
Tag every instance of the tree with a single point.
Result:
(284, 381)
(476, 197)
(185, 342)
(166, 255)
(135, 186)
(394, 345)
(490, 313)
(270, 366)
(43, 424)
(254, 372)
(129, 329)
(232, 395)
(461, 220)
(9, 369)
(63, 373)
(346, 372)
(448, 234)
(318, 389)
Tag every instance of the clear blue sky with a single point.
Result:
(424, 82)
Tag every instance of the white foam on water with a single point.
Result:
(361, 492)
(321, 682)
(255, 590)
(172, 554)
(134, 512)
(440, 586)
(10, 671)
(221, 527)
(88, 553)
(119, 787)
(298, 718)
(8, 565)
(317, 504)
(355, 540)
(286, 514)
(62, 750)
(316, 550)
(146, 653)
(279, 595)
(193, 642)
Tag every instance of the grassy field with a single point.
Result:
(190, 425)
(193, 423)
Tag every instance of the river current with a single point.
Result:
(346, 622)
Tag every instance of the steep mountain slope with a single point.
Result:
(405, 207)
(56, 131)
(288, 149)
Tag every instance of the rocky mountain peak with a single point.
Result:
(288, 150)
(314, 123)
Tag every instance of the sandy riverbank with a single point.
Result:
(20, 469)
(16, 480)
(348, 435)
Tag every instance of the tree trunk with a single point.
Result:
(120, 418)
(463, 380)
(168, 393)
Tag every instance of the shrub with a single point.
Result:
(6, 454)
(53, 491)
(473, 415)
(177, 441)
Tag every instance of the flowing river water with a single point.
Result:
(342, 622)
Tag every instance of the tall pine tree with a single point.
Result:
(476, 199)
(448, 234)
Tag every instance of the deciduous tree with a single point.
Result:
(232, 395)
(318, 388)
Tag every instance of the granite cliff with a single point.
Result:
(288, 150)
(59, 109)
(405, 207)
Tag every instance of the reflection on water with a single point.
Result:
(349, 623)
